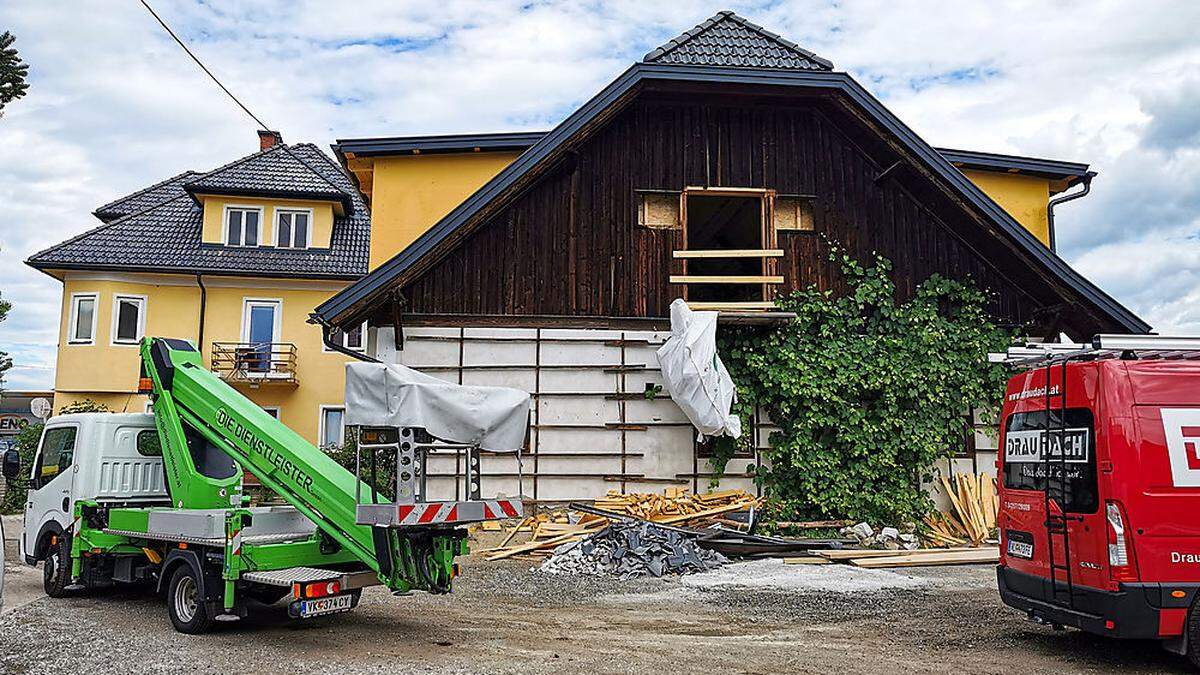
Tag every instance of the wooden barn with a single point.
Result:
(717, 169)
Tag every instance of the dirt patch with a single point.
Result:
(504, 617)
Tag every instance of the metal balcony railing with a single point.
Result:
(255, 363)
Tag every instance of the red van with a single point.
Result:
(1099, 486)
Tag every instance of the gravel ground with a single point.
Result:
(504, 617)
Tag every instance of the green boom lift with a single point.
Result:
(210, 550)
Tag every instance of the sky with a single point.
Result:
(114, 105)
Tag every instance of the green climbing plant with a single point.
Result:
(867, 392)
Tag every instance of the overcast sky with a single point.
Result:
(114, 105)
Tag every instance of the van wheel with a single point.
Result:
(56, 568)
(188, 611)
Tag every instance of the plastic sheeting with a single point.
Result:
(695, 377)
(384, 394)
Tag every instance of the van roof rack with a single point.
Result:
(1103, 346)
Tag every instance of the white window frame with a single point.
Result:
(274, 410)
(225, 225)
(141, 319)
(321, 424)
(293, 210)
(363, 349)
(74, 318)
(276, 330)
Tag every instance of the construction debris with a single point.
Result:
(676, 507)
(972, 520)
(628, 549)
(889, 538)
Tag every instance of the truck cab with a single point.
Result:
(109, 458)
(1099, 487)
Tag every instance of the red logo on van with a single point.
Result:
(1191, 445)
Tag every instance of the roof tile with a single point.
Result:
(727, 39)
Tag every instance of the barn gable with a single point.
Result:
(562, 231)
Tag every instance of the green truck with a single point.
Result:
(158, 499)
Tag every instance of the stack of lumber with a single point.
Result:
(873, 559)
(674, 507)
(972, 516)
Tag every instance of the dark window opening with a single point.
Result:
(208, 459)
(1070, 473)
(716, 223)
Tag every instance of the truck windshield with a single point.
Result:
(1070, 470)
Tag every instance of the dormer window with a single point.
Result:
(241, 225)
(291, 227)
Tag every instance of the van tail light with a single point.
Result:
(1122, 564)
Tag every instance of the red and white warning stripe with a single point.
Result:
(457, 512)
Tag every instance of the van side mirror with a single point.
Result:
(12, 464)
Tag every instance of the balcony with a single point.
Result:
(255, 363)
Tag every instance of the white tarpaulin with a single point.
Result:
(694, 374)
(384, 394)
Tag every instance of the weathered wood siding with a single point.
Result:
(570, 245)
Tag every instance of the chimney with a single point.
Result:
(268, 139)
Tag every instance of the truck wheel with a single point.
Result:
(188, 610)
(1192, 634)
(56, 569)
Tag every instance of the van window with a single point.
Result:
(58, 452)
(1026, 441)
(148, 444)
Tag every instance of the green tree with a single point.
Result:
(5, 359)
(12, 72)
(868, 393)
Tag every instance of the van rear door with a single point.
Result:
(1024, 476)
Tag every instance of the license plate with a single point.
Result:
(334, 603)
(1020, 544)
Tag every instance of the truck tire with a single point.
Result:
(185, 604)
(56, 568)
(1192, 634)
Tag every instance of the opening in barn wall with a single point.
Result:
(722, 223)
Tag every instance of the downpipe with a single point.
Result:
(1062, 199)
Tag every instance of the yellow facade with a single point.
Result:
(410, 193)
(1025, 198)
(107, 373)
(213, 228)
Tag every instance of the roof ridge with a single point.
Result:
(236, 162)
(103, 226)
(100, 209)
(723, 15)
(313, 169)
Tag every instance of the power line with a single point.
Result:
(202, 66)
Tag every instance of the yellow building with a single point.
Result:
(233, 259)
(236, 258)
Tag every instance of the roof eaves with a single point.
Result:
(381, 276)
(365, 147)
(996, 161)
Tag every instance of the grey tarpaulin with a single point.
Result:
(385, 394)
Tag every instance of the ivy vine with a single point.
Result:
(868, 393)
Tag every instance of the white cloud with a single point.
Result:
(114, 105)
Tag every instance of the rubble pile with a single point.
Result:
(888, 538)
(633, 549)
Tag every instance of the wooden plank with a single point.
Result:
(730, 253)
(722, 279)
(851, 554)
(701, 306)
(974, 557)
(807, 560)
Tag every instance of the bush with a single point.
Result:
(868, 393)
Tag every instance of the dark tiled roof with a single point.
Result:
(729, 40)
(278, 171)
(165, 237)
(144, 198)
